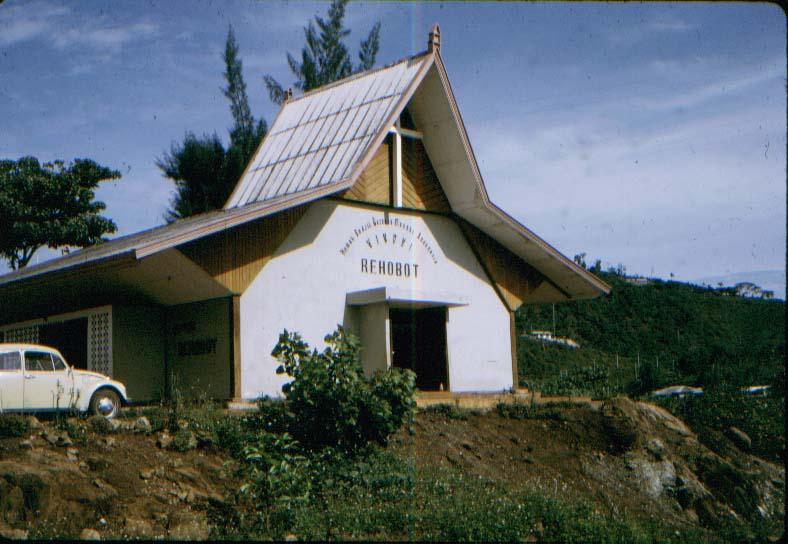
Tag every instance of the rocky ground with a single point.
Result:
(627, 457)
(119, 485)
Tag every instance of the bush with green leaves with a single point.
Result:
(332, 402)
(13, 425)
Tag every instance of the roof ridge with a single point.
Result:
(355, 76)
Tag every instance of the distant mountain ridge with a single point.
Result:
(771, 280)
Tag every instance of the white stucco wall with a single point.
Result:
(303, 288)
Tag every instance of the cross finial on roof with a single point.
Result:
(288, 94)
(434, 42)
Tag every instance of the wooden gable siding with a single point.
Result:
(235, 256)
(514, 279)
(421, 189)
(374, 183)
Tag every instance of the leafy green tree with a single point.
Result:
(325, 58)
(204, 171)
(50, 204)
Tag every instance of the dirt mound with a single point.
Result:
(625, 456)
(121, 485)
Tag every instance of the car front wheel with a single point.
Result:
(105, 403)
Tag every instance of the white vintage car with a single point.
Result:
(36, 378)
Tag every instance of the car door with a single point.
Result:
(45, 388)
(11, 382)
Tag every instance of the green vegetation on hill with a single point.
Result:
(679, 332)
(644, 336)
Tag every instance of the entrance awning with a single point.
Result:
(403, 298)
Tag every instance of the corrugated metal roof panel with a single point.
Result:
(317, 139)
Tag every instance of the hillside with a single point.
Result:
(618, 471)
(644, 336)
(695, 335)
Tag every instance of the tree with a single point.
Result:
(246, 132)
(204, 171)
(325, 57)
(50, 204)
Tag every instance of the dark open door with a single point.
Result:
(70, 338)
(418, 342)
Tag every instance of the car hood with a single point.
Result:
(88, 374)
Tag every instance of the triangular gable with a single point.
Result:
(421, 189)
(322, 142)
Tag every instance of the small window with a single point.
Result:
(60, 366)
(10, 361)
(38, 361)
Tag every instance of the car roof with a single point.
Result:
(27, 346)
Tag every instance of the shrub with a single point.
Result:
(451, 411)
(101, 425)
(184, 440)
(331, 401)
(13, 425)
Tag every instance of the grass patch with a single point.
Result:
(449, 410)
(381, 496)
(521, 410)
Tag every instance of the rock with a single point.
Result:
(7, 533)
(64, 441)
(139, 528)
(89, 534)
(142, 425)
(97, 463)
(107, 443)
(164, 440)
(656, 448)
(654, 477)
(49, 437)
(190, 528)
(739, 438)
(115, 425)
(72, 451)
(146, 474)
(33, 423)
(26, 445)
(291, 538)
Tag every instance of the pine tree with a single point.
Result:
(325, 58)
(204, 171)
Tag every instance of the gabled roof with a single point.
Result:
(318, 139)
(148, 242)
(321, 142)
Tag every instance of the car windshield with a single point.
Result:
(58, 362)
(10, 361)
(38, 361)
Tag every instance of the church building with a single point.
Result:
(363, 206)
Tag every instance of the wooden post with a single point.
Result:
(513, 336)
(235, 349)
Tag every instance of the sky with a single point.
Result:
(650, 134)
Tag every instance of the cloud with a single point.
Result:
(26, 22)
(111, 38)
(722, 88)
(671, 24)
(59, 28)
